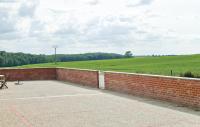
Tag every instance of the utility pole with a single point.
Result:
(55, 58)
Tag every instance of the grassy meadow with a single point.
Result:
(149, 65)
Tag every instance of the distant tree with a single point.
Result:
(128, 54)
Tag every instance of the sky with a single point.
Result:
(144, 27)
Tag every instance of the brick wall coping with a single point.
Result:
(49, 68)
(26, 68)
(151, 75)
(76, 69)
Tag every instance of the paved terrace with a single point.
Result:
(58, 104)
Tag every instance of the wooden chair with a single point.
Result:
(3, 83)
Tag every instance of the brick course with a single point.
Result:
(84, 77)
(29, 74)
(179, 90)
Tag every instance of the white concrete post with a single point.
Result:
(101, 80)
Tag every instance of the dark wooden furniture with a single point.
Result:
(3, 82)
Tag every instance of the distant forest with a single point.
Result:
(8, 59)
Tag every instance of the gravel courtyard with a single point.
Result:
(59, 104)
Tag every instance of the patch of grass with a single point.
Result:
(150, 65)
(187, 74)
(190, 75)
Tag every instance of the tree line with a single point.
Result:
(8, 59)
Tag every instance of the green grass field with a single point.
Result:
(149, 65)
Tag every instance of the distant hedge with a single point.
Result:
(8, 59)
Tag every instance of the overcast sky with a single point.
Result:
(79, 26)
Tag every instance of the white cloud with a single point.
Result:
(144, 26)
(28, 8)
(135, 3)
(93, 2)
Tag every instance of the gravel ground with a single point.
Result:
(58, 104)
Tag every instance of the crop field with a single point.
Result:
(149, 65)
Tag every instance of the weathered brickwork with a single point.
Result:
(178, 90)
(29, 74)
(84, 77)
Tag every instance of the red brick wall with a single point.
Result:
(83, 77)
(29, 74)
(180, 90)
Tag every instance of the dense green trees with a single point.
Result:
(128, 54)
(15, 59)
(87, 56)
